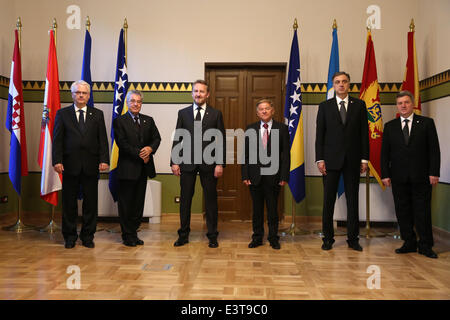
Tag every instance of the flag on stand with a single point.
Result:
(293, 117)
(370, 94)
(86, 68)
(332, 69)
(119, 108)
(15, 122)
(51, 181)
(411, 80)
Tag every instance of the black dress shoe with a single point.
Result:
(213, 244)
(139, 242)
(355, 246)
(428, 252)
(69, 244)
(327, 244)
(180, 242)
(275, 244)
(405, 248)
(255, 244)
(88, 244)
(129, 243)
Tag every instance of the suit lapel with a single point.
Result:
(416, 122)
(73, 116)
(350, 109)
(335, 109)
(207, 116)
(88, 118)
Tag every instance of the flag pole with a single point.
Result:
(19, 226)
(293, 230)
(52, 227)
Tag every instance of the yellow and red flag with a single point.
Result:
(411, 80)
(370, 93)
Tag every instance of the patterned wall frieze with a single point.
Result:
(434, 87)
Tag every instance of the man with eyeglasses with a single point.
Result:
(138, 139)
(80, 151)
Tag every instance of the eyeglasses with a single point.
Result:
(136, 101)
(81, 92)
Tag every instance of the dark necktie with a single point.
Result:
(198, 117)
(136, 122)
(343, 112)
(81, 122)
(406, 131)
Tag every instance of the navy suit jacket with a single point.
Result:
(336, 142)
(252, 172)
(80, 151)
(212, 119)
(130, 141)
(418, 159)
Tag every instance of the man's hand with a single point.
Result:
(322, 167)
(145, 152)
(246, 182)
(58, 168)
(364, 167)
(176, 169)
(218, 171)
(386, 182)
(434, 180)
(103, 167)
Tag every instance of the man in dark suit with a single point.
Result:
(80, 151)
(265, 187)
(410, 162)
(342, 147)
(138, 139)
(195, 120)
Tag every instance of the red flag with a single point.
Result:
(370, 93)
(15, 122)
(51, 181)
(411, 81)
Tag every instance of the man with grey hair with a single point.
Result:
(410, 163)
(138, 139)
(80, 151)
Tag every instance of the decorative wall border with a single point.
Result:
(432, 88)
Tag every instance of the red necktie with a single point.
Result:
(265, 135)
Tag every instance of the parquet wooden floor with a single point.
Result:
(33, 265)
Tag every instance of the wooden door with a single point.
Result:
(234, 89)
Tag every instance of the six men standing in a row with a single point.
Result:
(410, 163)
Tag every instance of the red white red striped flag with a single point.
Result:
(51, 181)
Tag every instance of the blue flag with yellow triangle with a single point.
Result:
(293, 116)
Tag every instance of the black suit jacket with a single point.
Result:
(418, 160)
(130, 141)
(336, 142)
(212, 119)
(252, 172)
(79, 151)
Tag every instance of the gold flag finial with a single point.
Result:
(88, 24)
(54, 24)
(334, 24)
(412, 26)
(19, 23)
(295, 26)
(125, 24)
